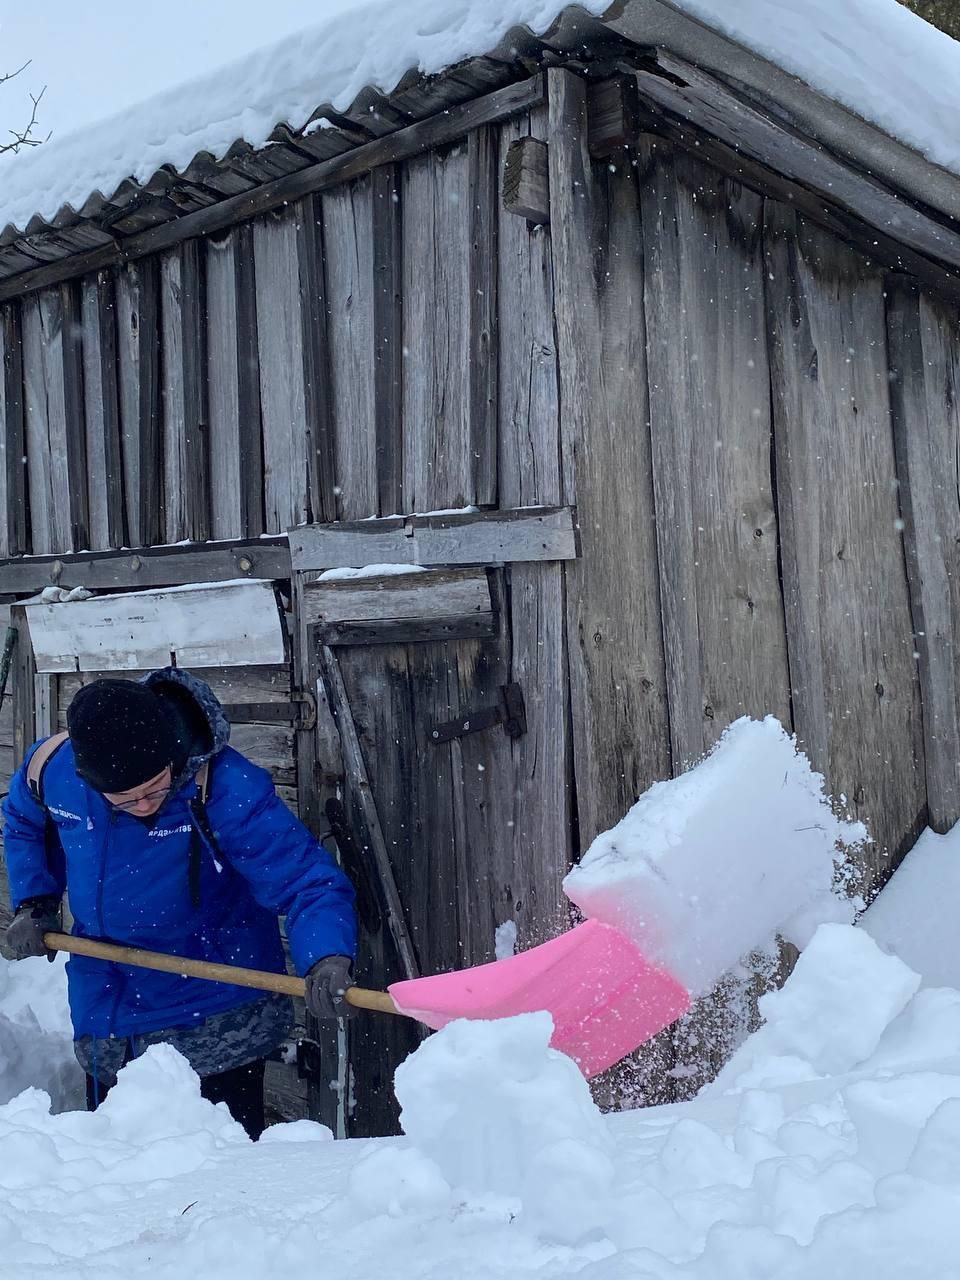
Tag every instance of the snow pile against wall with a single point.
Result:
(712, 864)
(36, 1039)
(829, 1148)
(873, 56)
(915, 916)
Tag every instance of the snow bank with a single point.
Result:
(829, 1149)
(36, 1039)
(709, 865)
(915, 916)
(499, 1112)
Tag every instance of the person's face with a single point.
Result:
(145, 800)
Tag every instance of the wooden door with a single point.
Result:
(455, 753)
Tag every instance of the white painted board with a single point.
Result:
(234, 624)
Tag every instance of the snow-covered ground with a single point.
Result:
(829, 1148)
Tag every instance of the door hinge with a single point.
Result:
(509, 711)
(300, 710)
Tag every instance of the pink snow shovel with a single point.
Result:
(605, 997)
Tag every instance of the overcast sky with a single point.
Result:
(98, 56)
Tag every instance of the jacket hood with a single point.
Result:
(202, 727)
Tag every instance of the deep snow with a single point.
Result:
(830, 1148)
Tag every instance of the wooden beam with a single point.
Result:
(473, 537)
(444, 127)
(148, 566)
(690, 107)
(467, 626)
(612, 115)
(526, 180)
(435, 593)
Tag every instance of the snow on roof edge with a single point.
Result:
(873, 58)
(249, 98)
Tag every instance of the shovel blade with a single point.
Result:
(605, 997)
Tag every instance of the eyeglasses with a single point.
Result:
(126, 805)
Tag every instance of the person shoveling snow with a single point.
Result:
(703, 870)
(164, 836)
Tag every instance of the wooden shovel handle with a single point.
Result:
(260, 980)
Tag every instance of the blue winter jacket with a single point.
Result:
(129, 881)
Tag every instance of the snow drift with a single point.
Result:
(828, 1148)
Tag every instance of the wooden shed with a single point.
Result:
(571, 403)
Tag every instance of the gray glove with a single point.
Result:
(327, 983)
(34, 918)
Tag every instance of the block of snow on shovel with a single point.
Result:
(704, 869)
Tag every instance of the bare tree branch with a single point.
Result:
(27, 136)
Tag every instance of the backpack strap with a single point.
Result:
(39, 761)
(202, 780)
(203, 833)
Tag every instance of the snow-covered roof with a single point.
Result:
(872, 57)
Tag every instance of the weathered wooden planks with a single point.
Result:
(233, 388)
(14, 533)
(138, 345)
(854, 679)
(925, 392)
(723, 619)
(320, 456)
(449, 301)
(432, 594)
(675, 95)
(102, 412)
(617, 682)
(282, 384)
(56, 448)
(185, 434)
(150, 566)
(387, 221)
(473, 537)
(615, 646)
(348, 225)
(233, 624)
(534, 846)
(448, 124)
